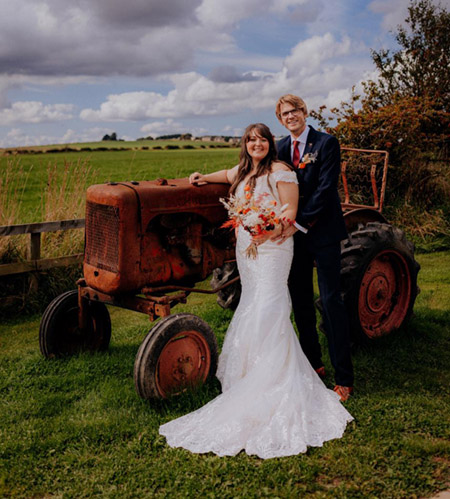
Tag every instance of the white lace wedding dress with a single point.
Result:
(273, 403)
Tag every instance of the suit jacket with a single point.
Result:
(319, 207)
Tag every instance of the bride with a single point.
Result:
(272, 403)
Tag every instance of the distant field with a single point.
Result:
(32, 172)
(117, 144)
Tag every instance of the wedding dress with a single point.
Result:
(273, 403)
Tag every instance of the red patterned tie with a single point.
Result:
(296, 155)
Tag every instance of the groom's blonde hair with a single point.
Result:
(294, 101)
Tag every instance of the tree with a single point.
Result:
(113, 136)
(421, 68)
(406, 112)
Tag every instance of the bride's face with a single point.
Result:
(257, 147)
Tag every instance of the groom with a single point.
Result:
(318, 230)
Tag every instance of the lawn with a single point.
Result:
(76, 428)
(33, 173)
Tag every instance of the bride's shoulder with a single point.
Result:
(281, 172)
(281, 166)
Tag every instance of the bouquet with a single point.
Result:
(258, 214)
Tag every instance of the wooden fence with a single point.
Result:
(34, 262)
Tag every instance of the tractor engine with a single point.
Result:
(154, 233)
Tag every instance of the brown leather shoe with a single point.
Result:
(321, 372)
(344, 392)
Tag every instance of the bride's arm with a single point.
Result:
(288, 192)
(220, 177)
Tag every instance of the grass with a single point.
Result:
(75, 427)
(103, 166)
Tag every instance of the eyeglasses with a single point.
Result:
(294, 112)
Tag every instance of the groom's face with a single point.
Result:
(293, 119)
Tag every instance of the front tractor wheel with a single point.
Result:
(60, 334)
(179, 353)
(379, 280)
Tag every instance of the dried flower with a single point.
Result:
(310, 157)
(258, 214)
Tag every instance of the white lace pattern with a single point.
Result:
(273, 403)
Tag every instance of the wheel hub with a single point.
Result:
(184, 362)
(384, 294)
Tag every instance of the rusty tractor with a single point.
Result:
(148, 243)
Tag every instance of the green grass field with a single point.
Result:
(76, 428)
(31, 171)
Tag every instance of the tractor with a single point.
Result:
(148, 243)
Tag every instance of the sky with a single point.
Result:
(75, 70)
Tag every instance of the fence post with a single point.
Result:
(34, 253)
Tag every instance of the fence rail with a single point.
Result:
(34, 262)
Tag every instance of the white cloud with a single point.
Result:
(101, 38)
(394, 13)
(309, 55)
(35, 112)
(166, 127)
(321, 68)
(17, 137)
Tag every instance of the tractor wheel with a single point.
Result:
(378, 279)
(59, 332)
(180, 352)
(228, 297)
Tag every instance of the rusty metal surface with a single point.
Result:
(153, 306)
(184, 362)
(361, 215)
(384, 294)
(154, 233)
(363, 178)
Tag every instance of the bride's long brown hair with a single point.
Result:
(245, 160)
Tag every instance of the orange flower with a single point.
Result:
(230, 223)
(248, 196)
(302, 165)
(247, 188)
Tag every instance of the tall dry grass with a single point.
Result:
(63, 194)
(64, 198)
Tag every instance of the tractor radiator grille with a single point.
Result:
(102, 236)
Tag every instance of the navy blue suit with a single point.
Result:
(320, 212)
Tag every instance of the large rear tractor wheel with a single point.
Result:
(379, 280)
(60, 334)
(179, 353)
(228, 297)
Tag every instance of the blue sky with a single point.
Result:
(71, 71)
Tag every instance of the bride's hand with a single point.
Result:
(272, 235)
(288, 230)
(197, 179)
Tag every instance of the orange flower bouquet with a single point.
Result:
(258, 214)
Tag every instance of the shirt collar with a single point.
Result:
(303, 136)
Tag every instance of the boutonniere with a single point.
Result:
(311, 157)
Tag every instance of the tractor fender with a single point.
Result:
(362, 216)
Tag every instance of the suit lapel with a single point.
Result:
(310, 141)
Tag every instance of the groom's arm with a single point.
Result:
(330, 168)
